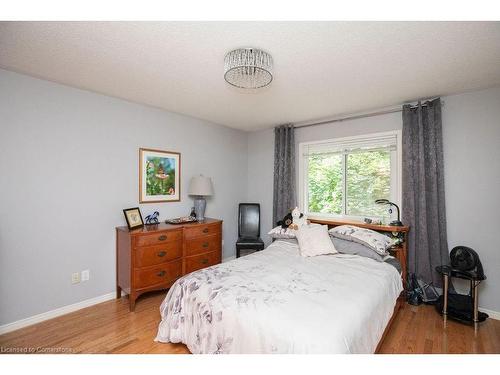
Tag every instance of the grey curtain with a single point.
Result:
(423, 190)
(284, 171)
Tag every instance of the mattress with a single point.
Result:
(275, 301)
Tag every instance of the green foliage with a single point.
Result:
(325, 184)
(368, 178)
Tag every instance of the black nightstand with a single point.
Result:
(461, 307)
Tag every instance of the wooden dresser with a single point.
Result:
(154, 256)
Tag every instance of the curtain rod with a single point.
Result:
(355, 117)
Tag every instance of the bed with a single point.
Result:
(275, 301)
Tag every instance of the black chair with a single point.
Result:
(249, 228)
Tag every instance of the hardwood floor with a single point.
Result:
(110, 328)
(421, 330)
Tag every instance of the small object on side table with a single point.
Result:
(133, 217)
(397, 222)
(181, 220)
(153, 218)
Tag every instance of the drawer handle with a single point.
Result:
(205, 244)
(162, 253)
(205, 230)
(161, 274)
(204, 261)
(162, 237)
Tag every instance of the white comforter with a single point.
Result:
(276, 301)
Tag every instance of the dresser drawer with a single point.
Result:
(205, 244)
(198, 262)
(149, 256)
(202, 230)
(158, 238)
(161, 274)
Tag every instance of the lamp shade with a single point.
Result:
(201, 185)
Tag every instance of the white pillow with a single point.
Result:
(314, 240)
(280, 233)
(374, 240)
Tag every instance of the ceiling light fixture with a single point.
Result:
(248, 68)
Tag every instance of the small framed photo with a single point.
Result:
(159, 176)
(133, 217)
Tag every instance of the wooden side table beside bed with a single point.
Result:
(153, 257)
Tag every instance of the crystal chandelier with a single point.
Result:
(248, 68)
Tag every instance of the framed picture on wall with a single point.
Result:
(159, 176)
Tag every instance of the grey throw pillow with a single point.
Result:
(355, 248)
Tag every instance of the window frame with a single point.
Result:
(396, 174)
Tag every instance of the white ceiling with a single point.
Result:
(322, 69)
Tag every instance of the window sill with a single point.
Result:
(319, 216)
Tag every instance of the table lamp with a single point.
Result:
(200, 186)
(397, 222)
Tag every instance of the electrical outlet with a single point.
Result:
(75, 278)
(86, 275)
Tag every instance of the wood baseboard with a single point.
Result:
(9, 327)
(493, 314)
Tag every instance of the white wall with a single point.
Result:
(471, 137)
(69, 165)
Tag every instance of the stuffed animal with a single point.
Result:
(286, 222)
(298, 219)
(293, 220)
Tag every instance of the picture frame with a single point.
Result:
(159, 176)
(133, 217)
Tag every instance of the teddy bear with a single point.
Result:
(298, 219)
(286, 222)
(293, 220)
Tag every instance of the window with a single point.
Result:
(343, 177)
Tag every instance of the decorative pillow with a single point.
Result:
(315, 240)
(280, 233)
(355, 248)
(374, 240)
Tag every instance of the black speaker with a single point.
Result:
(463, 258)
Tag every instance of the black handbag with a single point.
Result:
(420, 292)
(415, 293)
